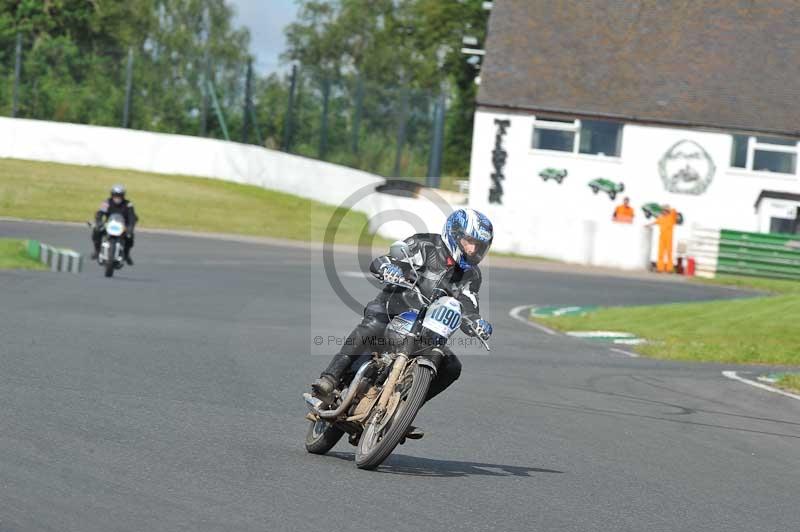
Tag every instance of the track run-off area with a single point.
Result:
(169, 398)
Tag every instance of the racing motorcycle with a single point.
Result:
(112, 247)
(386, 391)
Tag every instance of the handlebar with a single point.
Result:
(410, 286)
(471, 326)
(426, 300)
(413, 286)
(401, 285)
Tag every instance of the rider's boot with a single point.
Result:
(127, 250)
(323, 387)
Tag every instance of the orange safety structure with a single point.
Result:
(666, 222)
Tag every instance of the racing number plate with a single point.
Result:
(443, 317)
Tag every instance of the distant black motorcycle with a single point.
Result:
(112, 248)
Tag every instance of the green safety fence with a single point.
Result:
(759, 254)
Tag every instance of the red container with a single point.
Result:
(690, 266)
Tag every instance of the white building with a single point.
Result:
(694, 105)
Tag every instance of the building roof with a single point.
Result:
(776, 194)
(728, 64)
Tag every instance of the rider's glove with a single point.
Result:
(483, 329)
(391, 273)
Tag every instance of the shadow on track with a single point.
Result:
(400, 464)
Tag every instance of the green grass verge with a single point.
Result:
(774, 286)
(789, 381)
(14, 256)
(50, 191)
(760, 330)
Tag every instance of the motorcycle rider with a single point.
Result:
(115, 204)
(448, 260)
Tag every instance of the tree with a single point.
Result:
(188, 39)
(71, 54)
(75, 54)
(396, 45)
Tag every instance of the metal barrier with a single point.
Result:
(58, 260)
(741, 253)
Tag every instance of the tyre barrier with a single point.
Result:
(770, 255)
(57, 259)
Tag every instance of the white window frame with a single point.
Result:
(753, 145)
(574, 127)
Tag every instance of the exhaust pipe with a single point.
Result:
(348, 398)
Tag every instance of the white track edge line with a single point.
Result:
(514, 313)
(734, 376)
(626, 353)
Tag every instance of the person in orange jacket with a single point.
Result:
(624, 213)
(666, 223)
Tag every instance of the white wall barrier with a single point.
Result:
(110, 147)
(397, 217)
(623, 246)
(555, 236)
(598, 243)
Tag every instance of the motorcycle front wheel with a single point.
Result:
(379, 439)
(112, 253)
(322, 437)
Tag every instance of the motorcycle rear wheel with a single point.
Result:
(371, 453)
(322, 437)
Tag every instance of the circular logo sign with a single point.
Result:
(686, 168)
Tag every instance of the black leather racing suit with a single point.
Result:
(107, 208)
(436, 269)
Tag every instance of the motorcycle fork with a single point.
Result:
(391, 381)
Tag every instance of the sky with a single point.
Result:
(265, 19)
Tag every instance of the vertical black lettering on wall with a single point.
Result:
(499, 156)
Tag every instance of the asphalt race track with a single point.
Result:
(168, 398)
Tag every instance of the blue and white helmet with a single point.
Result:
(470, 228)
